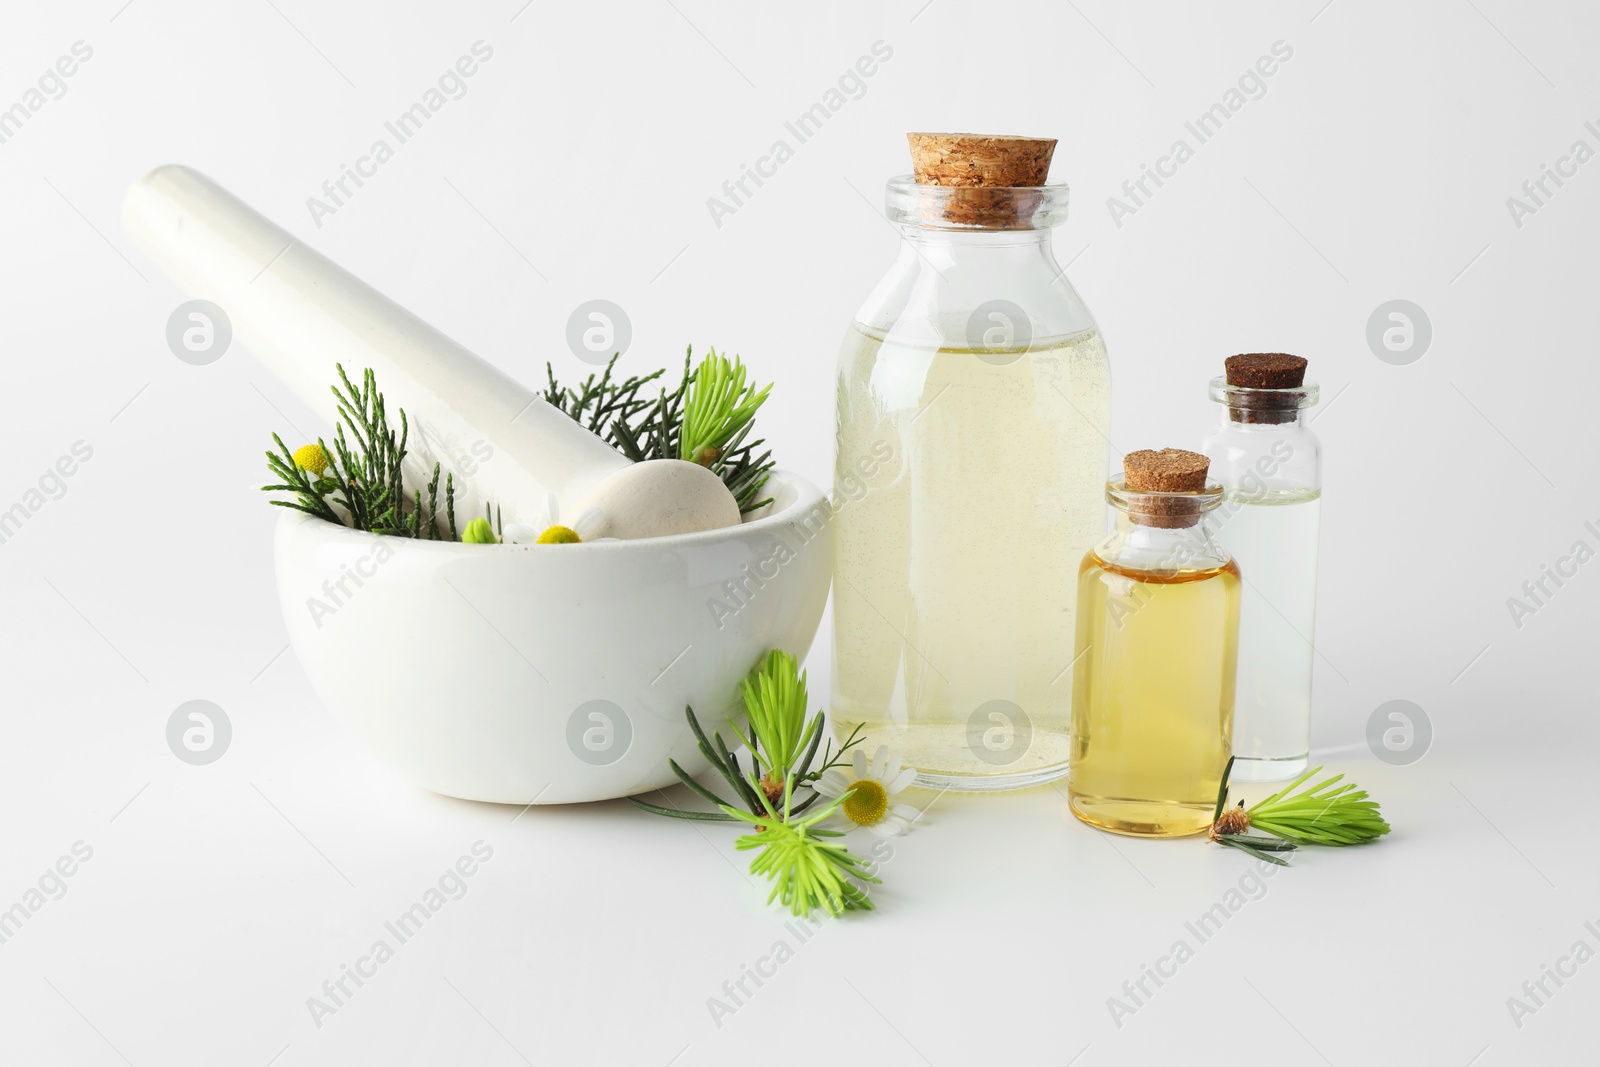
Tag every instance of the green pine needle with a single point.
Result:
(807, 871)
(719, 406)
(1323, 814)
(1262, 848)
(775, 701)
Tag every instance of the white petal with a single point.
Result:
(858, 762)
(891, 770)
(588, 523)
(520, 533)
(889, 826)
(901, 781)
(552, 510)
(880, 760)
(832, 783)
(906, 812)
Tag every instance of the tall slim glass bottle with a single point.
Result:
(973, 405)
(1270, 466)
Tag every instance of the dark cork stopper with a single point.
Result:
(984, 170)
(1171, 470)
(1264, 370)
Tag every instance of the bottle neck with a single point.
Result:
(976, 270)
(1010, 253)
(1262, 418)
(966, 288)
(1244, 406)
(1136, 545)
(1163, 533)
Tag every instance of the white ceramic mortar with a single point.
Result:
(549, 673)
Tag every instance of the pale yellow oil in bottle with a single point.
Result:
(1152, 697)
(968, 486)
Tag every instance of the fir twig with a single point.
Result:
(806, 871)
(1326, 813)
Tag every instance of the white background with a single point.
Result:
(1376, 166)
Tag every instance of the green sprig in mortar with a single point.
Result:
(807, 869)
(1323, 814)
(362, 472)
(706, 419)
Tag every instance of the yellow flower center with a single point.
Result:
(560, 535)
(311, 458)
(868, 803)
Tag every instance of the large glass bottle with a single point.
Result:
(973, 406)
(1269, 464)
(1157, 643)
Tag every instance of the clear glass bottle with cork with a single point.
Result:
(1269, 464)
(1157, 639)
(973, 405)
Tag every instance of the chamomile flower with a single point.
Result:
(554, 532)
(311, 458)
(872, 785)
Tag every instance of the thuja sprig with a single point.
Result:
(723, 408)
(1326, 813)
(604, 404)
(361, 475)
(807, 871)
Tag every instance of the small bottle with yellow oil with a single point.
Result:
(1156, 649)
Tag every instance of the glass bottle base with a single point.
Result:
(1141, 818)
(1269, 770)
(989, 783)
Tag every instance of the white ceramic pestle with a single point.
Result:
(300, 313)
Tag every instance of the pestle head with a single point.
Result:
(658, 497)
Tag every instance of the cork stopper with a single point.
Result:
(1264, 370)
(987, 170)
(1171, 470)
(976, 160)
